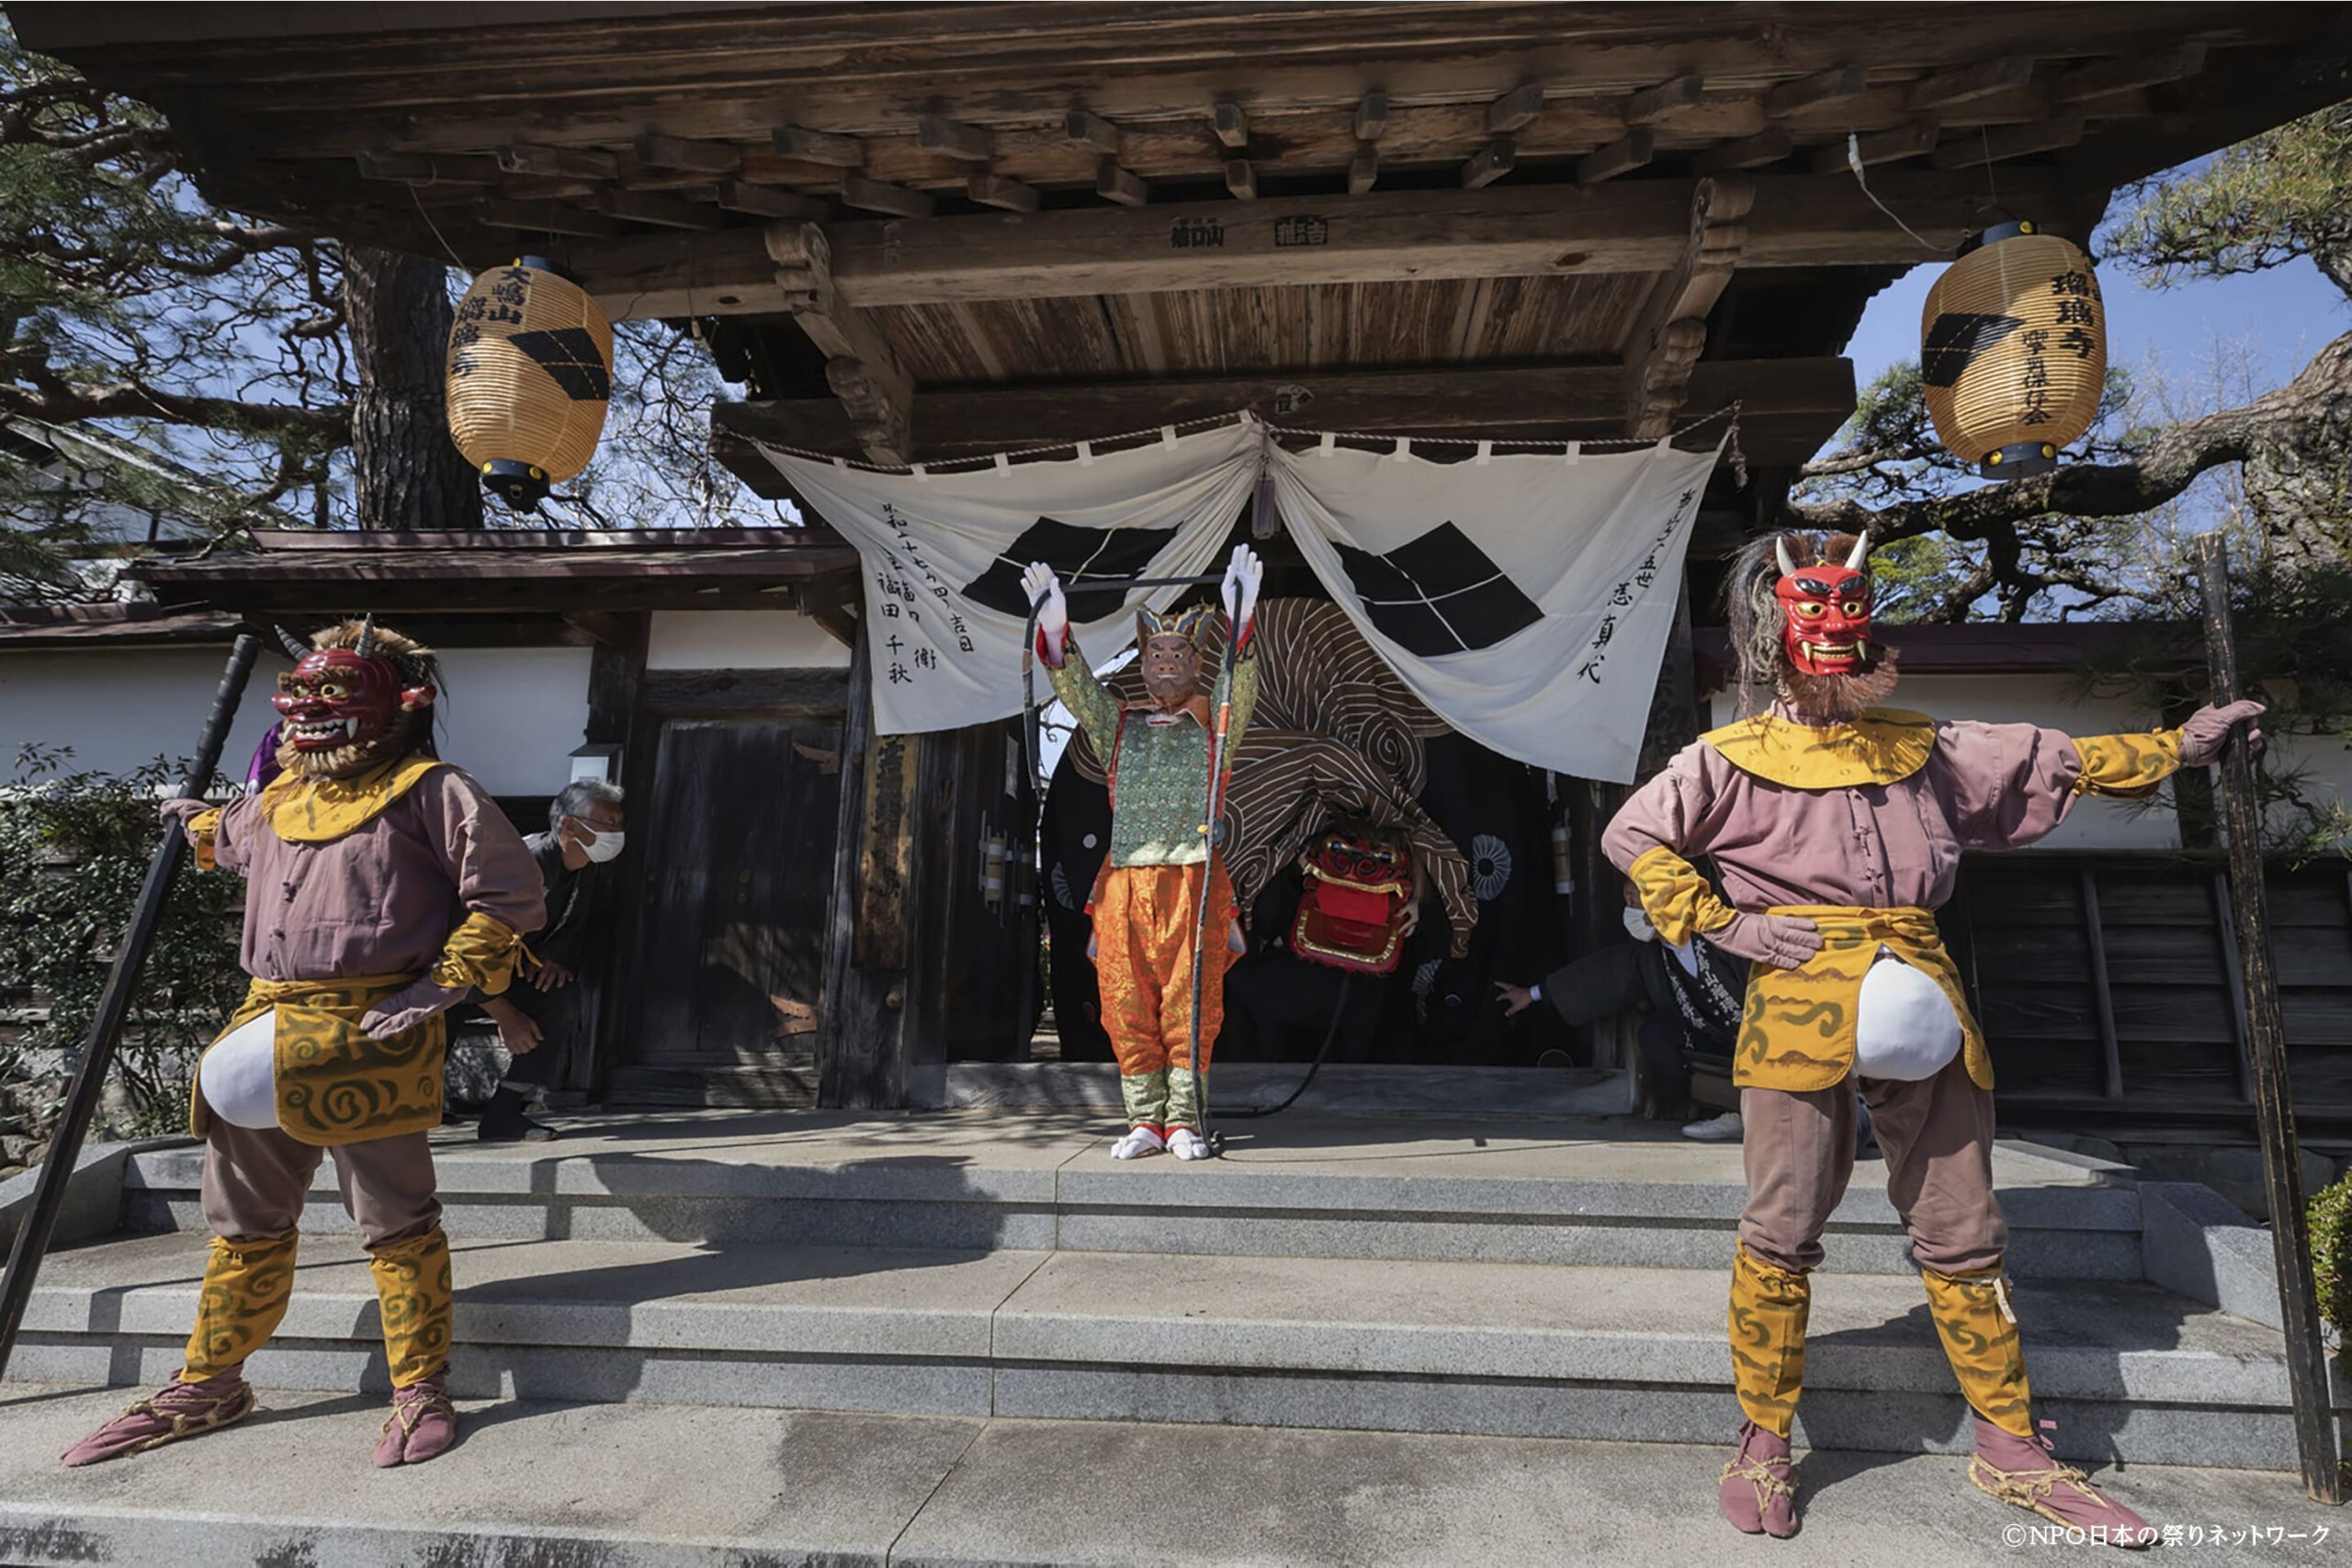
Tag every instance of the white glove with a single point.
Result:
(1240, 586)
(1045, 593)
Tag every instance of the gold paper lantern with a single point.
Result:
(2013, 351)
(529, 372)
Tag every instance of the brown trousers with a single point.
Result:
(256, 1180)
(1937, 1135)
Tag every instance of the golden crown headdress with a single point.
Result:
(1191, 623)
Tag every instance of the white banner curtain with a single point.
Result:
(1527, 598)
(942, 555)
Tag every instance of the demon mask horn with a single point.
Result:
(296, 649)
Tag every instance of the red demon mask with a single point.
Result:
(334, 698)
(1826, 608)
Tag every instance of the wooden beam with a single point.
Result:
(760, 201)
(1231, 125)
(1880, 146)
(1834, 85)
(1241, 179)
(1363, 169)
(816, 147)
(997, 190)
(1664, 101)
(544, 216)
(1115, 184)
(547, 188)
(1975, 149)
(1672, 329)
(1515, 108)
(573, 162)
(1372, 116)
(873, 195)
(666, 211)
(429, 168)
(1619, 157)
(2174, 64)
(1092, 129)
(1747, 152)
(1790, 408)
(859, 366)
(1507, 230)
(677, 153)
(1489, 163)
(1970, 81)
(937, 133)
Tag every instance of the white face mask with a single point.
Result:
(601, 847)
(1639, 924)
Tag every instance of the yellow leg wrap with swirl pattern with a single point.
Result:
(246, 1284)
(413, 1296)
(1769, 1307)
(1980, 1336)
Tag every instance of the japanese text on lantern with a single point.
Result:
(898, 598)
(2074, 291)
(1633, 590)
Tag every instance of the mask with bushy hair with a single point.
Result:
(1798, 608)
(359, 696)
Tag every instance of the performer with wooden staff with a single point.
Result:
(1837, 826)
(1147, 903)
(384, 885)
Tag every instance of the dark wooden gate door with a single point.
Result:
(730, 960)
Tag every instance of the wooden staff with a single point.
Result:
(2267, 1047)
(114, 1006)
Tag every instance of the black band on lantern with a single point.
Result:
(2016, 228)
(543, 264)
(520, 485)
(2019, 459)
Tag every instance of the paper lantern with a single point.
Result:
(2013, 351)
(530, 369)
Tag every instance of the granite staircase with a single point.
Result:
(1361, 1288)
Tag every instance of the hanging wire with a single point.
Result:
(1854, 162)
(446, 245)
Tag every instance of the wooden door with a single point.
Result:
(730, 957)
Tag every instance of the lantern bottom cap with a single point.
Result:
(520, 485)
(2017, 460)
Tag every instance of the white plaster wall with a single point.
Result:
(510, 717)
(2051, 701)
(741, 639)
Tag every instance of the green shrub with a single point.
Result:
(2331, 1218)
(74, 848)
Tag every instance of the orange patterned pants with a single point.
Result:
(1144, 919)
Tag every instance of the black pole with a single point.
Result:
(114, 1004)
(2273, 1110)
(1215, 807)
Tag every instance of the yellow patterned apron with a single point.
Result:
(1797, 1032)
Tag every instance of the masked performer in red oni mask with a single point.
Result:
(383, 886)
(1837, 826)
(1161, 864)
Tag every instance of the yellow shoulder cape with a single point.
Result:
(1881, 746)
(314, 811)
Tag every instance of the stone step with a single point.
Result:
(1604, 1193)
(1509, 1349)
(650, 1486)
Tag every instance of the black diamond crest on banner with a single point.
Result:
(1076, 555)
(569, 355)
(1439, 594)
(1955, 339)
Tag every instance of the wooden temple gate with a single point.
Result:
(928, 231)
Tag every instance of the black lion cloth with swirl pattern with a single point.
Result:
(1337, 739)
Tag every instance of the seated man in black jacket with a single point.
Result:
(1689, 999)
